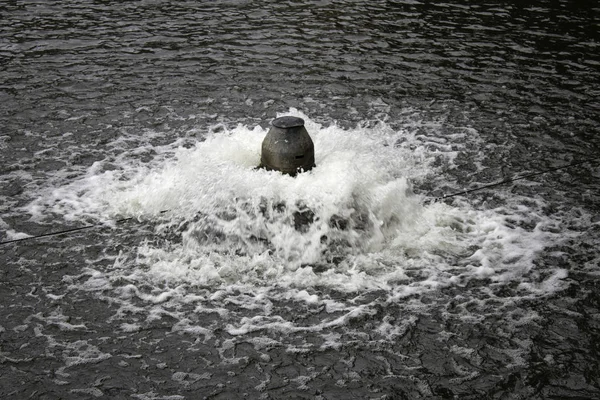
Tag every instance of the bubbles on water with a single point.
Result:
(244, 256)
(353, 223)
(235, 223)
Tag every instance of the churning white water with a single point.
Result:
(190, 273)
(238, 257)
(352, 224)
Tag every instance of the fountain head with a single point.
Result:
(288, 147)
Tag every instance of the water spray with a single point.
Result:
(289, 149)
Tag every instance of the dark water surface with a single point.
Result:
(124, 109)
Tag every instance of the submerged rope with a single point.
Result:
(70, 230)
(491, 185)
(518, 178)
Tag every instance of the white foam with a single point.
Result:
(59, 320)
(228, 233)
(11, 234)
(357, 180)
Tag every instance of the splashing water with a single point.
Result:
(353, 223)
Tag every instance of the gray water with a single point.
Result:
(151, 113)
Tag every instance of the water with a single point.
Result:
(204, 277)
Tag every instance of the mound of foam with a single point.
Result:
(351, 223)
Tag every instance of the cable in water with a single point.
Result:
(518, 178)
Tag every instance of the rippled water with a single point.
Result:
(198, 276)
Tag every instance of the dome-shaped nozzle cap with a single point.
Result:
(287, 122)
(288, 147)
